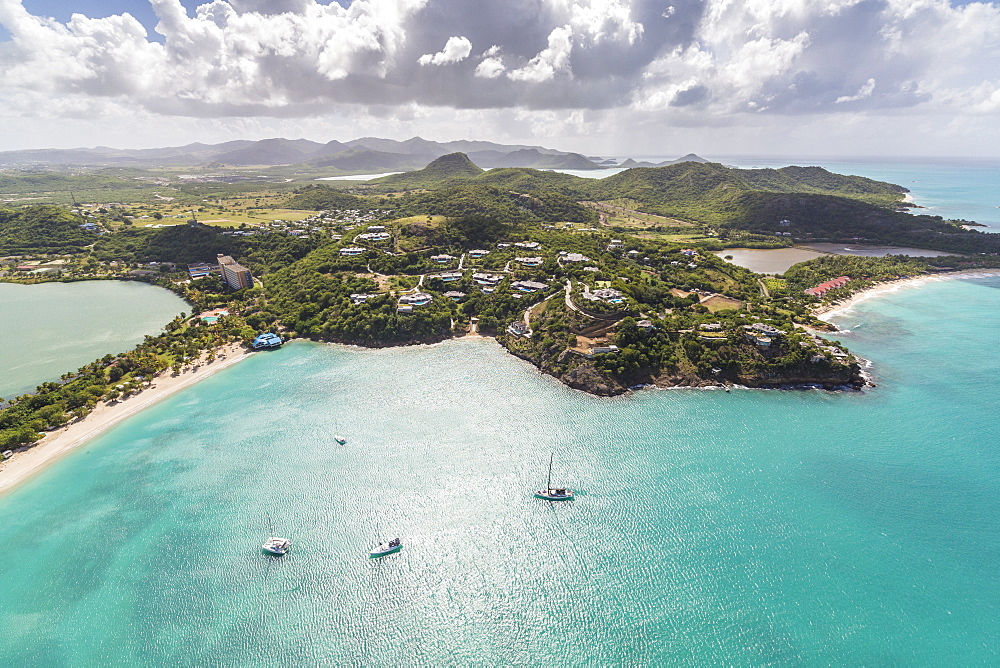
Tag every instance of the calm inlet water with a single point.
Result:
(52, 328)
(742, 529)
(778, 260)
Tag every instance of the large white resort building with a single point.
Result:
(233, 273)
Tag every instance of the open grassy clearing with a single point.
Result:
(718, 303)
(427, 220)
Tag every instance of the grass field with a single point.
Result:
(427, 220)
(718, 303)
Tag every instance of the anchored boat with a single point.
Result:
(383, 549)
(278, 546)
(551, 493)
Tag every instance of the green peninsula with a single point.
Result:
(604, 284)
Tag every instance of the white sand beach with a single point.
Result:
(57, 443)
(827, 311)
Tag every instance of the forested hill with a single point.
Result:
(44, 228)
(652, 185)
(446, 168)
(815, 204)
(689, 181)
(495, 203)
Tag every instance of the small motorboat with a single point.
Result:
(340, 439)
(383, 549)
(278, 546)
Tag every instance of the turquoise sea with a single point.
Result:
(52, 328)
(750, 528)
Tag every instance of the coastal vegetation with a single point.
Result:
(605, 284)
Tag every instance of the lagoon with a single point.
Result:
(769, 260)
(357, 177)
(53, 328)
(748, 528)
(778, 260)
(865, 250)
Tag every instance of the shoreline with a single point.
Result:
(55, 444)
(827, 311)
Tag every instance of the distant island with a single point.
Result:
(605, 284)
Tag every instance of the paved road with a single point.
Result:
(569, 301)
(763, 289)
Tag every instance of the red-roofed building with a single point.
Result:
(824, 288)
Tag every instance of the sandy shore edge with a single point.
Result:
(828, 311)
(57, 443)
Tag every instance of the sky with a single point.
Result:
(602, 77)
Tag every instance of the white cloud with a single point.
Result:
(863, 92)
(549, 61)
(599, 20)
(456, 49)
(694, 63)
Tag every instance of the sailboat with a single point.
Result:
(278, 546)
(554, 493)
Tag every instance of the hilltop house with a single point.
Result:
(487, 279)
(416, 299)
(518, 328)
(528, 286)
(374, 237)
(447, 276)
(606, 294)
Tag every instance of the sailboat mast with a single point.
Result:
(549, 484)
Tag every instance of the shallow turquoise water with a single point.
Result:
(742, 529)
(52, 328)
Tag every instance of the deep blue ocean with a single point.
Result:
(748, 528)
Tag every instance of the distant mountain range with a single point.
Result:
(359, 155)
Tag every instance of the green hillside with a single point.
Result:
(325, 198)
(445, 168)
(42, 229)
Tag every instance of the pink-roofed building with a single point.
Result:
(823, 288)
